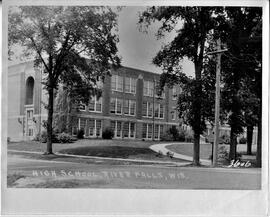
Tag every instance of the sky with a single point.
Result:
(137, 48)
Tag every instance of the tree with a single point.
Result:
(196, 27)
(75, 45)
(241, 68)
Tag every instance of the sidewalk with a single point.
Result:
(162, 148)
(107, 158)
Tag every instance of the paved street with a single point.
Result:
(55, 174)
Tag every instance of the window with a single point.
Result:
(156, 110)
(159, 111)
(158, 131)
(174, 93)
(98, 128)
(29, 91)
(144, 109)
(144, 131)
(129, 107)
(30, 131)
(95, 128)
(116, 106)
(132, 130)
(147, 110)
(116, 127)
(113, 105)
(130, 85)
(82, 124)
(150, 131)
(158, 92)
(119, 103)
(147, 131)
(30, 114)
(91, 127)
(129, 130)
(173, 113)
(150, 109)
(148, 88)
(117, 83)
(95, 105)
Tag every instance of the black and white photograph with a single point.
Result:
(136, 97)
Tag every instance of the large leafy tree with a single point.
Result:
(241, 67)
(196, 28)
(75, 45)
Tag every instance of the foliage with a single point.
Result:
(64, 138)
(80, 134)
(173, 134)
(43, 136)
(75, 45)
(166, 137)
(243, 140)
(223, 154)
(107, 133)
(196, 27)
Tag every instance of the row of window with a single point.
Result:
(94, 127)
(117, 106)
(147, 110)
(117, 83)
(119, 128)
(95, 105)
(148, 131)
(128, 107)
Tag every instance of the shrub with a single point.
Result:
(174, 132)
(42, 137)
(8, 139)
(80, 134)
(64, 138)
(107, 133)
(181, 136)
(166, 137)
(243, 140)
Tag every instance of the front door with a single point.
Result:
(29, 124)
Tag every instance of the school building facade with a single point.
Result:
(129, 105)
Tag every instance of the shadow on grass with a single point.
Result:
(109, 151)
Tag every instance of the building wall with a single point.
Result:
(17, 115)
(17, 108)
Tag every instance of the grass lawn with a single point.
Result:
(41, 147)
(205, 149)
(187, 149)
(127, 149)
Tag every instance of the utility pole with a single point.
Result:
(217, 106)
(217, 101)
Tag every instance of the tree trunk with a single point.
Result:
(69, 118)
(249, 139)
(259, 139)
(233, 145)
(196, 150)
(50, 120)
(197, 114)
